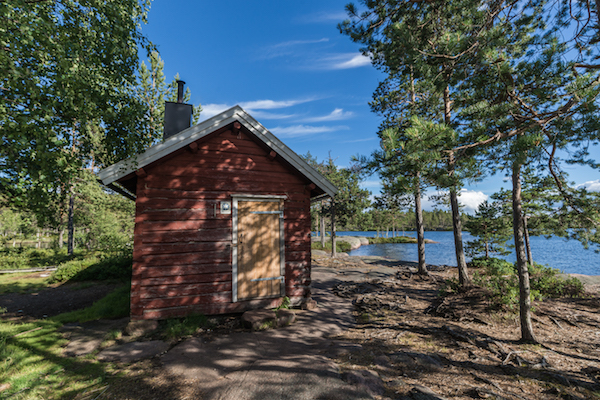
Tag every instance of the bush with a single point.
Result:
(397, 239)
(28, 257)
(546, 282)
(340, 247)
(108, 267)
(94, 269)
(68, 270)
(502, 279)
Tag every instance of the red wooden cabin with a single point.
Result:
(222, 219)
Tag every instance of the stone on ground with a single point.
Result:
(285, 317)
(259, 319)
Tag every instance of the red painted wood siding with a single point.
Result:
(182, 244)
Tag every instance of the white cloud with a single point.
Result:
(287, 49)
(304, 130)
(268, 115)
(335, 115)
(298, 42)
(210, 110)
(471, 199)
(592, 186)
(342, 61)
(271, 104)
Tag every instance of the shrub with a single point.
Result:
(108, 267)
(94, 269)
(340, 247)
(68, 270)
(397, 239)
(502, 279)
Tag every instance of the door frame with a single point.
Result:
(234, 239)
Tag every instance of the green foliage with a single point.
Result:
(285, 304)
(154, 91)
(340, 247)
(23, 257)
(492, 229)
(70, 269)
(67, 100)
(546, 282)
(500, 277)
(112, 306)
(397, 239)
(351, 200)
(93, 268)
(176, 328)
(104, 219)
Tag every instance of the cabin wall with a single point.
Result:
(182, 244)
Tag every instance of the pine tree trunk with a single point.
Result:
(527, 245)
(527, 334)
(420, 230)
(70, 226)
(333, 249)
(323, 224)
(463, 274)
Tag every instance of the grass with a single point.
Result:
(31, 361)
(176, 328)
(33, 368)
(32, 364)
(114, 305)
(21, 283)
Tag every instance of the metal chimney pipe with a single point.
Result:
(180, 91)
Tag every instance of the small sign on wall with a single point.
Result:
(225, 207)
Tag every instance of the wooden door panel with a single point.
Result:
(259, 259)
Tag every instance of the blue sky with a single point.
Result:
(286, 63)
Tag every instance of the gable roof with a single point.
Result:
(125, 168)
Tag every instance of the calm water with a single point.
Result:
(567, 255)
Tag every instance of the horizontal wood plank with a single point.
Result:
(188, 247)
(187, 279)
(163, 291)
(183, 269)
(206, 235)
(206, 257)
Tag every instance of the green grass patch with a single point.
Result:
(176, 328)
(114, 305)
(34, 368)
(397, 239)
(20, 283)
(340, 247)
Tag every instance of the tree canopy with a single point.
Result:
(68, 100)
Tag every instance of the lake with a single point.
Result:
(567, 255)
